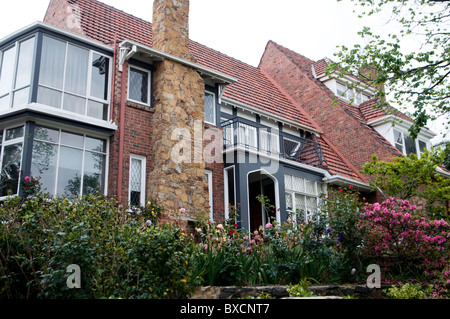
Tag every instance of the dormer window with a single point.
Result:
(405, 144)
(351, 94)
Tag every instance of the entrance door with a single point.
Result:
(260, 184)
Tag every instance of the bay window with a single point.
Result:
(74, 79)
(68, 164)
(11, 148)
(16, 64)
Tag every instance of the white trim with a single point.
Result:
(214, 107)
(404, 124)
(277, 196)
(143, 161)
(160, 56)
(149, 85)
(226, 195)
(209, 175)
(60, 113)
(341, 180)
(51, 28)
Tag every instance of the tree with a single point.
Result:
(420, 78)
(409, 177)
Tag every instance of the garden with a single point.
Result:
(129, 254)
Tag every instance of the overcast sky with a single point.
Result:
(241, 28)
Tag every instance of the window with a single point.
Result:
(137, 180)
(210, 108)
(74, 79)
(347, 93)
(11, 147)
(302, 197)
(405, 144)
(68, 164)
(139, 85)
(15, 74)
(268, 141)
(208, 178)
(247, 135)
(230, 196)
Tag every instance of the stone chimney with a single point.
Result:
(177, 177)
(171, 27)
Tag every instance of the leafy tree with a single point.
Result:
(419, 78)
(407, 177)
(446, 149)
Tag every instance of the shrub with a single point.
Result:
(401, 239)
(300, 289)
(120, 255)
(408, 291)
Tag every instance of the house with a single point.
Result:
(95, 100)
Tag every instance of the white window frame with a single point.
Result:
(149, 84)
(208, 176)
(214, 107)
(59, 144)
(292, 192)
(12, 142)
(226, 194)
(351, 93)
(88, 95)
(143, 161)
(416, 141)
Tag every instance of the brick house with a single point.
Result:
(93, 99)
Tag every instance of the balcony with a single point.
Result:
(238, 132)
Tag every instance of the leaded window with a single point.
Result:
(210, 108)
(139, 85)
(137, 181)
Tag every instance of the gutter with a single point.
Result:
(341, 180)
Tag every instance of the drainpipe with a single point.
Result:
(123, 97)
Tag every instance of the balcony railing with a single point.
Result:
(251, 136)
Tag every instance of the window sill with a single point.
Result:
(139, 106)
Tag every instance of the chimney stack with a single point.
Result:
(178, 95)
(171, 27)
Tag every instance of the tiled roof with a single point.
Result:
(103, 23)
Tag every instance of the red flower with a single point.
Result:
(350, 186)
(340, 191)
(235, 225)
(231, 232)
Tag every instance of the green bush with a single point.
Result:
(408, 291)
(119, 254)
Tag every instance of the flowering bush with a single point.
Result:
(400, 237)
(120, 255)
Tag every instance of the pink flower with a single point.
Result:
(350, 186)
(182, 210)
(26, 178)
(268, 225)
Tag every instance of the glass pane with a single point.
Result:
(43, 165)
(422, 146)
(74, 104)
(298, 184)
(46, 134)
(398, 137)
(97, 110)
(310, 187)
(21, 97)
(94, 173)
(7, 70)
(13, 133)
(9, 180)
(300, 208)
(52, 62)
(4, 102)
(72, 139)
(209, 108)
(25, 63)
(69, 171)
(99, 78)
(95, 144)
(138, 88)
(49, 97)
(288, 181)
(77, 70)
(410, 145)
(341, 89)
(135, 174)
(289, 205)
